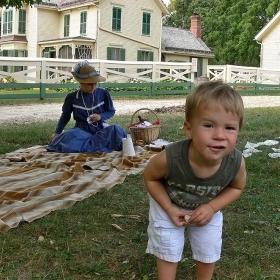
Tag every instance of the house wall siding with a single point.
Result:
(75, 22)
(31, 32)
(130, 38)
(48, 24)
(271, 49)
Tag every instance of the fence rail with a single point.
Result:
(243, 75)
(48, 77)
(51, 78)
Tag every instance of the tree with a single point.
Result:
(18, 3)
(228, 26)
(181, 10)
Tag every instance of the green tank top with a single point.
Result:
(184, 187)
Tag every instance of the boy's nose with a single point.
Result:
(219, 134)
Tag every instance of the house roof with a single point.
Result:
(66, 3)
(268, 27)
(183, 41)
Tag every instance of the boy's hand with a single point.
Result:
(177, 216)
(202, 215)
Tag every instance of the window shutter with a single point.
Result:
(114, 22)
(122, 54)
(139, 56)
(151, 56)
(10, 22)
(109, 53)
(83, 23)
(22, 21)
(5, 24)
(66, 25)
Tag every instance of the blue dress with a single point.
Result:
(85, 137)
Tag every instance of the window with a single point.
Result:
(146, 24)
(66, 25)
(65, 52)
(13, 53)
(144, 56)
(21, 21)
(8, 22)
(116, 54)
(49, 52)
(83, 23)
(117, 19)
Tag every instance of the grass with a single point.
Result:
(29, 101)
(81, 243)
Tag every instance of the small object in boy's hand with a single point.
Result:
(187, 218)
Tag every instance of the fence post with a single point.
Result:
(43, 79)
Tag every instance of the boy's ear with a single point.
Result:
(187, 129)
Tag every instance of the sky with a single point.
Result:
(166, 2)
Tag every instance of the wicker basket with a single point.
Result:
(145, 134)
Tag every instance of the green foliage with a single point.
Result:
(228, 27)
(18, 3)
(9, 79)
(67, 89)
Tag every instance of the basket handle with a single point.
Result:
(132, 117)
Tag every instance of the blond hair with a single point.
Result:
(217, 92)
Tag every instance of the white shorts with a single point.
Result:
(166, 241)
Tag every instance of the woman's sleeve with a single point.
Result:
(109, 109)
(65, 117)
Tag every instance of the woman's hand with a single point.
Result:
(94, 117)
(52, 137)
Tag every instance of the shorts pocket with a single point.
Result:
(166, 233)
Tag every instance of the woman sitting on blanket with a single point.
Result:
(91, 107)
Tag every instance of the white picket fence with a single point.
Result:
(240, 74)
(47, 70)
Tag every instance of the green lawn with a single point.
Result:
(81, 243)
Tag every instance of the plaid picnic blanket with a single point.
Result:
(34, 182)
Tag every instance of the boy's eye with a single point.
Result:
(208, 125)
(230, 128)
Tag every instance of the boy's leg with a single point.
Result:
(206, 243)
(204, 271)
(166, 241)
(166, 270)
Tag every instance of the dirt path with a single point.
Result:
(41, 112)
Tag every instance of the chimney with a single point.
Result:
(196, 26)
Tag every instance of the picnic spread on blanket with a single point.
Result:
(35, 182)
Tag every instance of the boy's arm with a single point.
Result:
(224, 198)
(154, 171)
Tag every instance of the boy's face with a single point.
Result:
(88, 88)
(213, 132)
